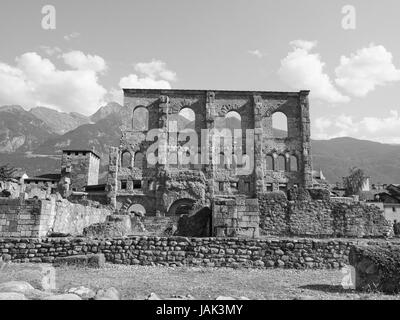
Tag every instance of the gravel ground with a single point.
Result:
(137, 282)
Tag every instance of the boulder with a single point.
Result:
(88, 260)
(66, 296)
(83, 292)
(109, 294)
(12, 296)
(16, 286)
(36, 294)
(153, 296)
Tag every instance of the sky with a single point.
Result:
(346, 53)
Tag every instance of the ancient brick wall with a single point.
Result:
(254, 110)
(22, 218)
(72, 218)
(235, 217)
(180, 251)
(317, 218)
(36, 218)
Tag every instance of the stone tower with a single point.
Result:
(80, 168)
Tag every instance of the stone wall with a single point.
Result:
(318, 218)
(235, 217)
(72, 218)
(180, 251)
(36, 218)
(22, 218)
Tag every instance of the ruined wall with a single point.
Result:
(235, 217)
(319, 218)
(72, 218)
(180, 251)
(211, 109)
(36, 218)
(23, 218)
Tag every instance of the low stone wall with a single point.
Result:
(322, 218)
(181, 251)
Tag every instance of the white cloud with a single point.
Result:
(152, 75)
(133, 81)
(50, 51)
(36, 81)
(155, 69)
(78, 60)
(367, 68)
(71, 36)
(301, 69)
(381, 129)
(257, 53)
(304, 44)
(115, 95)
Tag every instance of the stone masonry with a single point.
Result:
(169, 188)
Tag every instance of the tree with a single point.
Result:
(354, 181)
(6, 172)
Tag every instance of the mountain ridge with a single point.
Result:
(24, 137)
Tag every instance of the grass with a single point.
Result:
(137, 282)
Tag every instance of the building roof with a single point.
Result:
(81, 150)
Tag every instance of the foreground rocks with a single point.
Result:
(22, 290)
(377, 267)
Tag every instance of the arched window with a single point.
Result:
(139, 160)
(281, 163)
(126, 159)
(233, 120)
(140, 120)
(294, 166)
(270, 162)
(279, 125)
(186, 119)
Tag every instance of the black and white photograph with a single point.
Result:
(199, 154)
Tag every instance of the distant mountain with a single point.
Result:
(20, 130)
(105, 111)
(101, 135)
(59, 122)
(29, 142)
(334, 157)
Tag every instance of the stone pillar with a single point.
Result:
(210, 117)
(162, 165)
(258, 146)
(306, 163)
(112, 177)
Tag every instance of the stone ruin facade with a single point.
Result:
(170, 188)
(222, 170)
